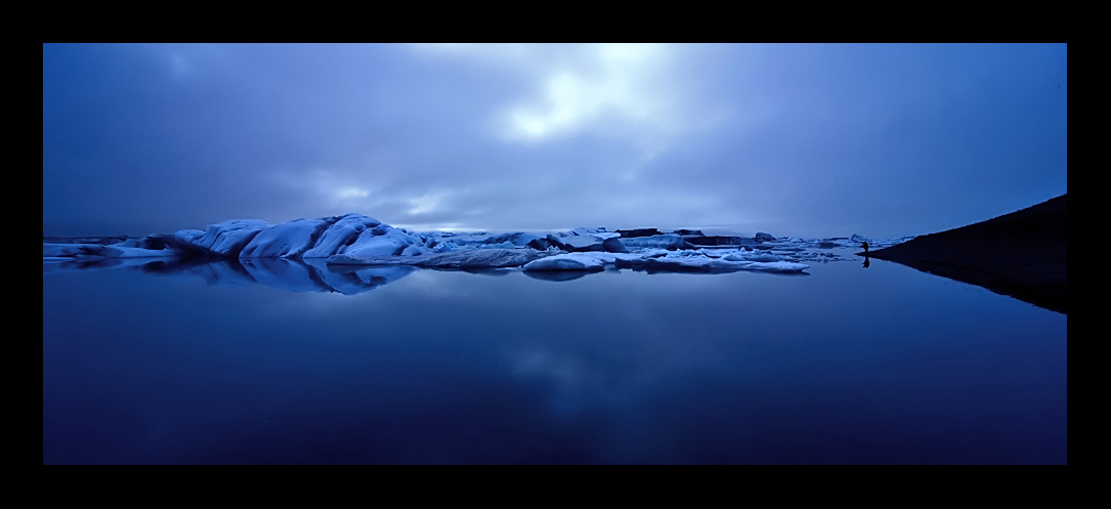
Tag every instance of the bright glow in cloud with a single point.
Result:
(625, 85)
(426, 203)
(629, 92)
(351, 192)
(332, 188)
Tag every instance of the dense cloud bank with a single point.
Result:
(812, 139)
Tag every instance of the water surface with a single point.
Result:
(845, 365)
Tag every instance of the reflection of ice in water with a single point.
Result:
(378, 276)
(308, 275)
(354, 280)
(316, 275)
(284, 274)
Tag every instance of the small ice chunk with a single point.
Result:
(568, 261)
(414, 250)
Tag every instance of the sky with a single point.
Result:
(793, 140)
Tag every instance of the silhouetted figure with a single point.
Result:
(865, 247)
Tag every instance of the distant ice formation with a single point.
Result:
(352, 252)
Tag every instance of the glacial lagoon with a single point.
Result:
(842, 364)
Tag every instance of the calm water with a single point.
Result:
(845, 365)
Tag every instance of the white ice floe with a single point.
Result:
(686, 260)
(757, 256)
(662, 260)
(570, 261)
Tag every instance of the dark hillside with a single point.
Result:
(1023, 254)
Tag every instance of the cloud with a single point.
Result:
(634, 93)
(427, 202)
(351, 192)
(801, 139)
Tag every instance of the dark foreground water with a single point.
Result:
(845, 365)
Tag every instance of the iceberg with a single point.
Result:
(662, 241)
(588, 239)
(221, 239)
(568, 261)
(380, 242)
(697, 261)
(353, 252)
(291, 239)
(343, 231)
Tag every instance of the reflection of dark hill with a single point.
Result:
(1023, 254)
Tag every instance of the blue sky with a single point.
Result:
(807, 140)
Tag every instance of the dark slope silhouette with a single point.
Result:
(1023, 254)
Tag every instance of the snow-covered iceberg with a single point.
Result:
(341, 233)
(221, 239)
(286, 240)
(353, 240)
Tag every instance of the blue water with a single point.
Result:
(844, 365)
